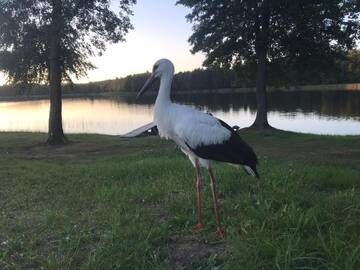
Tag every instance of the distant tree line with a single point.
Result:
(345, 71)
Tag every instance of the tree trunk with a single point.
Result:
(56, 134)
(261, 47)
(261, 121)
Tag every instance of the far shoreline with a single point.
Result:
(110, 94)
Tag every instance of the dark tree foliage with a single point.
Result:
(51, 40)
(303, 35)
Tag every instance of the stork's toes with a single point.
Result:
(198, 226)
(219, 233)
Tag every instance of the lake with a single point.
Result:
(318, 112)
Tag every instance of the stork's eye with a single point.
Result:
(155, 68)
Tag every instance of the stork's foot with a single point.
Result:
(219, 233)
(198, 226)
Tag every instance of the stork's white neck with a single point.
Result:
(163, 97)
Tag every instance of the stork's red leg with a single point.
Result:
(219, 232)
(198, 185)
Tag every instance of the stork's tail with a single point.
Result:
(251, 171)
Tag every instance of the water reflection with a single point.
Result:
(325, 103)
(79, 116)
(332, 112)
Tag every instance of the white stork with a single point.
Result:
(199, 135)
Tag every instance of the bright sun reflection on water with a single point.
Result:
(111, 117)
(79, 116)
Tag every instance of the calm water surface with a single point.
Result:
(331, 112)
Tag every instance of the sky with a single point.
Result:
(160, 31)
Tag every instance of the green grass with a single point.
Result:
(103, 202)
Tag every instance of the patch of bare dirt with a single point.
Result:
(347, 154)
(184, 251)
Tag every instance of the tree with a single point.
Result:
(353, 66)
(51, 40)
(298, 32)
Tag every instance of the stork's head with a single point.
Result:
(162, 67)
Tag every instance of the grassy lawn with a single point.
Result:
(102, 202)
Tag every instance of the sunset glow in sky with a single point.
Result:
(160, 31)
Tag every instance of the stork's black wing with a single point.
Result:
(233, 150)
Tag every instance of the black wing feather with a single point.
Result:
(234, 150)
